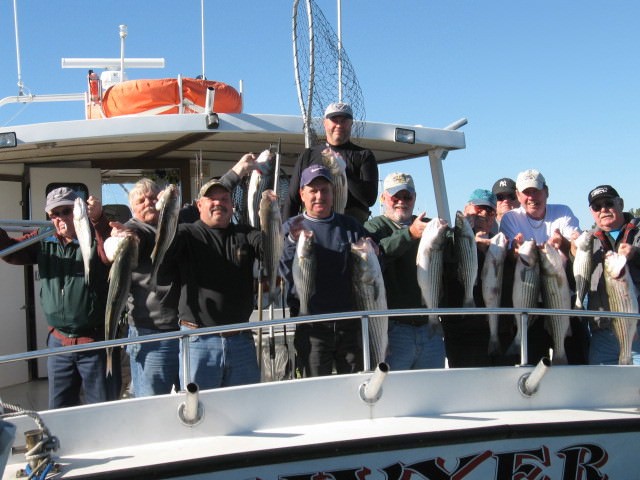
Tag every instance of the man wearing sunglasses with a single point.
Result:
(74, 309)
(615, 231)
(506, 198)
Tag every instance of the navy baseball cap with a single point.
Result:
(312, 172)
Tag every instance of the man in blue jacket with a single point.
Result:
(320, 346)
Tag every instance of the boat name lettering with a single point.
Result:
(581, 462)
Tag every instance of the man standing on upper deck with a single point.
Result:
(362, 169)
(74, 309)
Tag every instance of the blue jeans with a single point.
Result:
(410, 347)
(70, 372)
(154, 365)
(216, 361)
(604, 348)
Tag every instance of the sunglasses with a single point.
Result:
(597, 206)
(505, 196)
(61, 213)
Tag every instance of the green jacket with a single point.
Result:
(70, 306)
(400, 250)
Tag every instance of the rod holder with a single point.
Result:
(191, 411)
(371, 390)
(529, 382)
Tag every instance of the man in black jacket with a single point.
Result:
(361, 169)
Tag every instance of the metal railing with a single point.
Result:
(522, 316)
(24, 226)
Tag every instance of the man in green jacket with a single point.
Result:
(74, 309)
(412, 344)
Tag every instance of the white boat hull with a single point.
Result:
(434, 424)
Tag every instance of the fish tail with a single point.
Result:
(109, 369)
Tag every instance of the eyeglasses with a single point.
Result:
(505, 196)
(597, 206)
(61, 213)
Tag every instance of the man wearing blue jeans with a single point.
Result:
(411, 342)
(73, 308)
(615, 231)
(212, 260)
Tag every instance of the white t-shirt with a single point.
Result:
(556, 217)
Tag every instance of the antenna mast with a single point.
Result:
(340, 51)
(202, 28)
(15, 22)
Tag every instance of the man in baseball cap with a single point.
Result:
(615, 231)
(412, 343)
(361, 165)
(320, 345)
(505, 191)
(545, 223)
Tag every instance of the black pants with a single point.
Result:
(321, 347)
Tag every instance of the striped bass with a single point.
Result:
(168, 206)
(369, 294)
(430, 265)
(272, 239)
(338, 168)
(465, 242)
(526, 286)
(491, 277)
(555, 295)
(261, 179)
(583, 266)
(83, 234)
(304, 270)
(623, 298)
(125, 260)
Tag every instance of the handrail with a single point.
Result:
(363, 315)
(26, 243)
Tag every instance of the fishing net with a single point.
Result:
(323, 71)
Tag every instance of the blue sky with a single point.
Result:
(548, 85)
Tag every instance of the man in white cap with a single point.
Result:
(411, 343)
(77, 317)
(535, 218)
(556, 224)
(361, 166)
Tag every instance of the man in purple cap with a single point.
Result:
(616, 231)
(320, 346)
(77, 316)
(361, 166)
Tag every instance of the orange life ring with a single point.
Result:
(154, 97)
